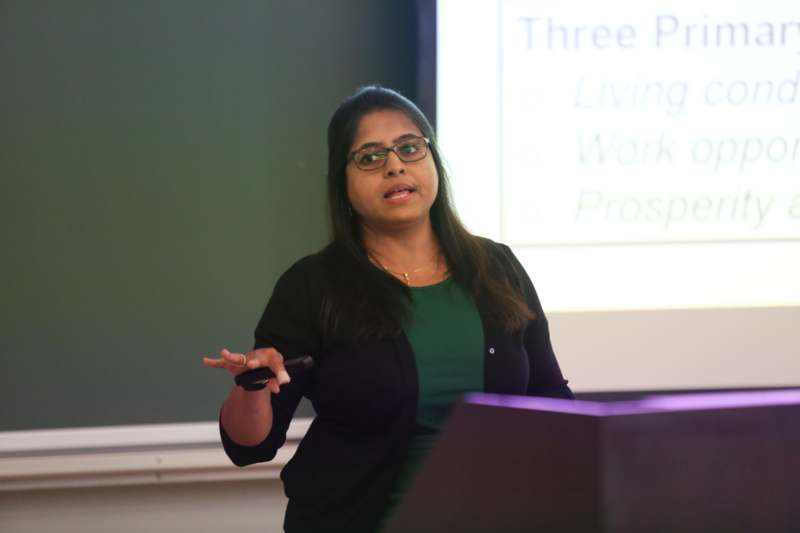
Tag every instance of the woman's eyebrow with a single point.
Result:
(395, 141)
(368, 145)
(405, 136)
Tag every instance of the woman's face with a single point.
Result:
(399, 194)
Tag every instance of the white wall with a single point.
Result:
(166, 478)
(200, 507)
(696, 349)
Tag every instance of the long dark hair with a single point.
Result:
(365, 302)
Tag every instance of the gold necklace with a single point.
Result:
(406, 275)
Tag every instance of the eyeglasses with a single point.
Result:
(408, 150)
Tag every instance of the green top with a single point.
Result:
(446, 335)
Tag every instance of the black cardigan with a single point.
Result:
(365, 398)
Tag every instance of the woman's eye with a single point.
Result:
(369, 157)
(409, 148)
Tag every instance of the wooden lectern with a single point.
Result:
(715, 462)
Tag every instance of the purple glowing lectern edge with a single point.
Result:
(648, 404)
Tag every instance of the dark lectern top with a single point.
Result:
(715, 462)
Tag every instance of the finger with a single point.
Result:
(257, 359)
(264, 357)
(281, 375)
(214, 363)
(274, 360)
(273, 386)
(235, 359)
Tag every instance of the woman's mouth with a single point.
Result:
(398, 194)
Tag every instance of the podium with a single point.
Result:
(714, 462)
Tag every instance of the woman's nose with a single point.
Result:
(394, 165)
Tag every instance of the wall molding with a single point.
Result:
(128, 455)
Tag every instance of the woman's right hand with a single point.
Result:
(236, 363)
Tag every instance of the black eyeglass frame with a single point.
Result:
(352, 155)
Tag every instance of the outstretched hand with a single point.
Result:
(237, 363)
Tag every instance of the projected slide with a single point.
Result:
(634, 155)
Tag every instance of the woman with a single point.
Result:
(403, 312)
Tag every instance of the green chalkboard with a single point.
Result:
(161, 163)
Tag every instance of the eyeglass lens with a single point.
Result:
(375, 157)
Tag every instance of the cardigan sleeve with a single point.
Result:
(545, 377)
(288, 324)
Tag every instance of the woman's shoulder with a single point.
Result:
(302, 272)
(308, 264)
(498, 253)
(505, 263)
(493, 247)
(312, 268)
